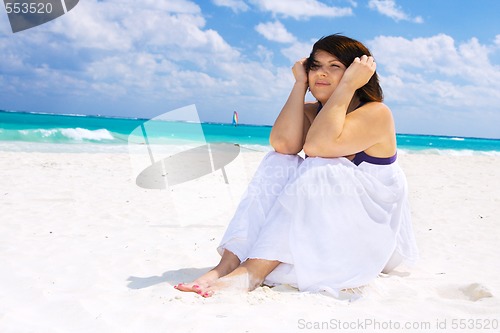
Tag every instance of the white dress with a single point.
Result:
(331, 223)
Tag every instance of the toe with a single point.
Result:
(184, 287)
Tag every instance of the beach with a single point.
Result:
(83, 248)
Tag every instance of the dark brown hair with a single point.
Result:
(346, 49)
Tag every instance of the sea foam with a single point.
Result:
(80, 134)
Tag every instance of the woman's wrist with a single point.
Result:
(347, 86)
(303, 85)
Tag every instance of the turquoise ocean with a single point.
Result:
(25, 131)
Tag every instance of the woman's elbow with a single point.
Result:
(318, 148)
(311, 148)
(285, 146)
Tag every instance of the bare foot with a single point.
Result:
(228, 263)
(200, 283)
(240, 281)
(246, 277)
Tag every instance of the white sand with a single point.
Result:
(83, 249)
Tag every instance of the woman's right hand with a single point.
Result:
(299, 71)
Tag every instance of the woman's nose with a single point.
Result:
(322, 71)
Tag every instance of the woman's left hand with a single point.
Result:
(360, 71)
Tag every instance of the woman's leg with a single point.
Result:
(269, 180)
(272, 176)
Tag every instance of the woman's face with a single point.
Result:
(324, 75)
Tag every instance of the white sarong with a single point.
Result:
(332, 224)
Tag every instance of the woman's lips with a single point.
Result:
(322, 83)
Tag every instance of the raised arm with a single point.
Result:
(288, 132)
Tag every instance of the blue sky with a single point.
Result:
(438, 61)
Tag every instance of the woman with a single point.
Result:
(338, 218)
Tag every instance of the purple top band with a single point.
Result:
(364, 157)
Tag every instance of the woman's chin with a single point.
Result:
(321, 99)
(321, 96)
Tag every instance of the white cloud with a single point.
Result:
(275, 31)
(437, 55)
(176, 30)
(118, 24)
(264, 54)
(297, 51)
(173, 31)
(497, 40)
(430, 78)
(390, 9)
(235, 5)
(353, 3)
(301, 9)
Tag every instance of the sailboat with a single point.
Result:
(235, 118)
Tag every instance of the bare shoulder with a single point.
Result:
(376, 109)
(373, 113)
(377, 122)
